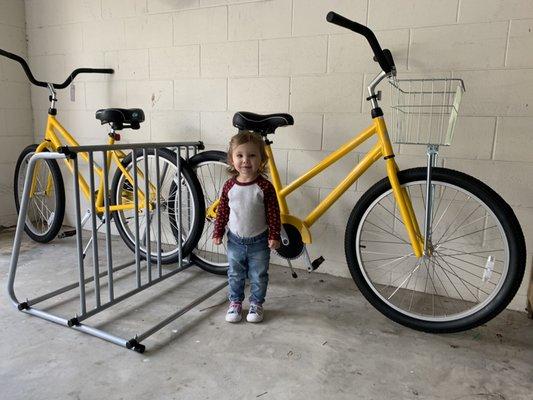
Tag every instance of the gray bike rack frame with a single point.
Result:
(76, 321)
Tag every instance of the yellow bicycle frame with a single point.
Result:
(382, 148)
(52, 142)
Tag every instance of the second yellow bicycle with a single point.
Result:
(431, 248)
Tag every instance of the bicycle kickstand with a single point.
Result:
(72, 232)
(293, 273)
(84, 220)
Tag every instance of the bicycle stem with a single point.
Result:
(52, 97)
(371, 88)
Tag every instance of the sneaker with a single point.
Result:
(255, 314)
(234, 313)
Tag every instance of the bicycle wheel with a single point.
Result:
(192, 206)
(211, 170)
(475, 265)
(46, 208)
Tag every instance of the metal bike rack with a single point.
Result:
(143, 268)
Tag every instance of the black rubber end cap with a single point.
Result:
(140, 348)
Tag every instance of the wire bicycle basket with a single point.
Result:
(424, 111)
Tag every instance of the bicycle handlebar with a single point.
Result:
(63, 85)
(383, 57)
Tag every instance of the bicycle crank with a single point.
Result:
(292, 247)
(291, 244)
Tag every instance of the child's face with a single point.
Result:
(246, 159)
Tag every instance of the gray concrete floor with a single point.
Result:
(320, 340)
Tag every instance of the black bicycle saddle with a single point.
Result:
(261, 123)
(121, 118)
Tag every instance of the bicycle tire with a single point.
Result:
(53, 221)
(507, 262)
(169, 240)
(210, 168)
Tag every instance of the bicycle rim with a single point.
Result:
(465, 270)
(42, 205)
(168, 189)
(212, 176)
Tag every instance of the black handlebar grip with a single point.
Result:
(337, 19)
(344, 22)
(77, 71)
(389, 58)
(25, 67)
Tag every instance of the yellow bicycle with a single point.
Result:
(431, 248)
(46, 206)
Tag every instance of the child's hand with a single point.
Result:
(274, 244)
(217, 240)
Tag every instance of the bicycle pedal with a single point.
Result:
(65, 234)
(316, 263)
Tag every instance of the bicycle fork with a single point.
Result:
(406, 210)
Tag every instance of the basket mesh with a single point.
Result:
(424, 111)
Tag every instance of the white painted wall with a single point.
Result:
(16, 124)
(192, 63)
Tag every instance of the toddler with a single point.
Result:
(249, 207)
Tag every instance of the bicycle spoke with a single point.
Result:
(453, 282)
(413, 293)
(460, 280)
(468, 234)
(436, 209)
(388, 211)
(459, 227)
(410, 274)
(463, 280)
(213, 176)
(390, 233)
(473, 253)
(381, 241)
(446, 209)
(432, 262)
(464, 270)
(435, 293)
(456, 216)
(390, 262)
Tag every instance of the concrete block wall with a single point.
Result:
(16, 123)
(192, 63)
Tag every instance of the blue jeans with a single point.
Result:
(248, 257)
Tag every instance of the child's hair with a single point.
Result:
(247, 137)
